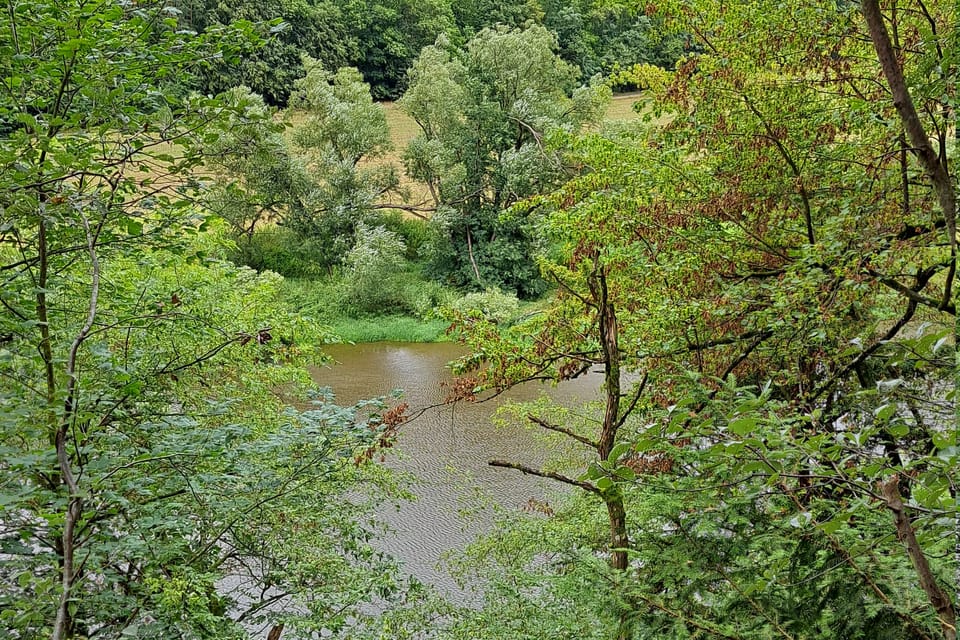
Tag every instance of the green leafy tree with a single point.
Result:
(343, 126)
(484, 112)
(150, 476)
(259, 179)
(373, 269)
(392, 35)
(473, 16)
(291, 28)
(603, 38)
(779, 253)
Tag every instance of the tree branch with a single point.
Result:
(922, 148)
(905, 532)
(567, 432)
(530, 471)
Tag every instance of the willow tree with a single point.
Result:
(484, 112)
(780, 255)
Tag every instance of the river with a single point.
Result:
(446, 448)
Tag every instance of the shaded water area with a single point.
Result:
(446, 448)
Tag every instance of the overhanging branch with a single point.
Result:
(530, 471)
(567, 432)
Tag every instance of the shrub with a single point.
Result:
(493, 304)
(281, 250)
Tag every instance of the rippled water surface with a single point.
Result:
(447, 448)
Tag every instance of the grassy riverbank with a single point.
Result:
(389, 329)
(323, 300)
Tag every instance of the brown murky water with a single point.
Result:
(446, 448)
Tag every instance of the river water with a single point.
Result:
(446, 448)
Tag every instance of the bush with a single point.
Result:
(281, 250)
(493, 304)
(416, 234)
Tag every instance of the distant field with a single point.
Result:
(403, 129)
(621, 107)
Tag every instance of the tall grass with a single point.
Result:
(389, 328)
(322, 299)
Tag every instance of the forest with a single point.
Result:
(739, 216)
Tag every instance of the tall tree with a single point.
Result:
(484, 112)
(775, 248)
(146, 455)
(343, 126)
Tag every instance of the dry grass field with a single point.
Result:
(621, 107)
(402, 130)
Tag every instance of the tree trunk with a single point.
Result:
(928, 582)
(610, 343)
(929, 159)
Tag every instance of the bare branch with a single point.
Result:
(567, 432)
(530, 471)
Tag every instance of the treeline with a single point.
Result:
(382, 38)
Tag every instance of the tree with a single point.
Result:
(484, 112)
(343, 126)
(147, 456)
(473, 16)
(291, 28)
(393, 33)
(607, 37)
(258, 177)
(782, 273)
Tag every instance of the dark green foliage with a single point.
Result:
(473, 16)
(502, 249)
(416, 234)
(391, 35)
(382, 38)
(603, 39)
(280, 250)
(323, 30)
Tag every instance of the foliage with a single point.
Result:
(473, 16)
(258, 177)
(380, 37)
(492, 305)
(370, 269)
(281, 250)
(404, 292)
(483, 111)
(291, 28)
(602, 38)
(343, 127)
(770, 262)
(151, 474)
(392, 34)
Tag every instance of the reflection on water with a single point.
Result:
(446, 448)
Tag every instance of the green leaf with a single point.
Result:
(743, 426)
(626, 473)
(898, 429)
(885, 411)
(618, 451)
